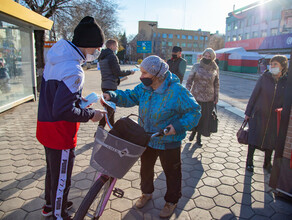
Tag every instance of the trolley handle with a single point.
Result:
(161, 133)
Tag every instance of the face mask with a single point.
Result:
(206, 61)
(146, 81)
(174, 56)
(116, 51)
(92, 57)
(274, 70)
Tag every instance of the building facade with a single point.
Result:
(164, 39)
(264, 27)
(17, 53)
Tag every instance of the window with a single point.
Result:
(18, 61)
(264, 33)
(183, 37)
(276, 14)
(183, 44)
(234, 38)
(274, 31)
(163, 43)
(190, 45)
(177, 44)
(158, 35)
(257, 19)
(228, 38)
(206, 38)
(170, 36)
(239, 24)
(239, 37)
(170, 44)
(246, 36)
(228, 27)
(248, 21)
(195, 45)
(201, 38)
(235, 27)
(190, 37)
(196, 38)
(164, 35)
(178, 36)
(154, 34)
(255, 34)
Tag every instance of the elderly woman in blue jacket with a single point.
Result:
(163, 102)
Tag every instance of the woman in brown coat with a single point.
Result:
(203, 83)
(267, 96)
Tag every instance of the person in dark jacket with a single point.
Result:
(177, 64)
(110, 72)
(267, 96)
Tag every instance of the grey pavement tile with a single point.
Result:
(15, 215)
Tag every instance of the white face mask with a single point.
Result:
(92, 57)
(274, 70)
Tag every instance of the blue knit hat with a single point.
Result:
(155, 66)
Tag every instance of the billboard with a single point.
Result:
(144, 47)
(271, 42)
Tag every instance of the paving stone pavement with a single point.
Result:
(215, 184)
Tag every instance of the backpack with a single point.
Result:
(129, 130)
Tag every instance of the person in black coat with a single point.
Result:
(177, 64)
(110, 72)
(267, 96)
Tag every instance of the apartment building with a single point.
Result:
(163, 39)
(264, 27)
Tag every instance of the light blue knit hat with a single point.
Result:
(155, 66)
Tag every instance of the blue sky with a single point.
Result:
(209, 15)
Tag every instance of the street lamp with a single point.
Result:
(152, 25)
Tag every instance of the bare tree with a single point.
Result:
(104, 11)
(66, 15)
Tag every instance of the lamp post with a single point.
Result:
(152, 25)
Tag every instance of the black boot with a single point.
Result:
(249, 159)
(267, 163)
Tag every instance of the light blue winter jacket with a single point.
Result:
(171, 103)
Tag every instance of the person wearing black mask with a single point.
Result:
(177, 64)
(203, 83)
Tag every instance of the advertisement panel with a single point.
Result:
(272, 42)
(144, 47)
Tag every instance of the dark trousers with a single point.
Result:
(250, 153)
(171, 163)
(58, 179)
(111, 114)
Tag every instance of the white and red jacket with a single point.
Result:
(59, 113)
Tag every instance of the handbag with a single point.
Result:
(242, 134)
(129, 130)
(214, 121)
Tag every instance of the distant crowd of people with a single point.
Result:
(163, 102)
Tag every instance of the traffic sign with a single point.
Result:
(144, 47)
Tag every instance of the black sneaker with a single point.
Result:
(48, 211)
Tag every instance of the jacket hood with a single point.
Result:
(169, 80)
(104, 53)
(62, 51)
